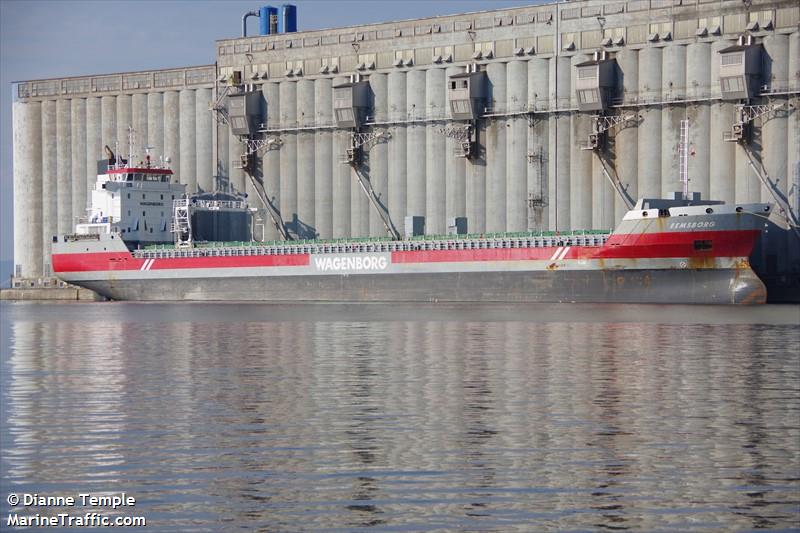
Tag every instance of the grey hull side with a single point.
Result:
(702, 286)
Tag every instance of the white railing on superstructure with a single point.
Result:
(218, 204)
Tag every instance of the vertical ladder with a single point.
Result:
(182, 223)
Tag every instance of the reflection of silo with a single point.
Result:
(218, 217)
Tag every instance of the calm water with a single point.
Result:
(226, 417)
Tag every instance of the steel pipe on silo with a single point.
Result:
(94, 145)
(537, 147)
(475, 189)
(223, 181)
(721, 154)
(702, 137)
(581, 174)
(559, 141)
(625, 154)
(172, 141)
(673, 86)
(793, 156)
(259, 216)
(341, 184)
(775, 126)
(496, 150)
(435, 153)
(397, 148)
(155, 124)
(78, 177)
(748, 186)
(139, 122)
(379, 154)
(124, 121)
(590, 188)
(581, 165)
(305, 161)
(204, 153)
(236, 175)
(341, 179)
(359, 203)
(40, 244)
(27, 127)
(49, 180)
(108, 113)
(415, 155)
(516, 147)
(64, 165)
(188, 139)
(455, 166)
(271, 165)
(714, 87)
(323, 155)
(699, 116)
(649, 130)
(288, 172)
(744, 184)
(602, 197)
(708, 119)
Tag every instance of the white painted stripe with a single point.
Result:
(150, 264)
(564, 253)
(144, 265)
(558, 251)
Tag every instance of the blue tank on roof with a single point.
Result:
(288, 19)
(268, 20)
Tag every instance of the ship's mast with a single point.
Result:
(131, 136)
(684, 158)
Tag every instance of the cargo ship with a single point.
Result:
(683, 250)
(663, 251)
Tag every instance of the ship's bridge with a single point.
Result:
(163, 175)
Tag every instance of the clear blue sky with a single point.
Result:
(45, 39)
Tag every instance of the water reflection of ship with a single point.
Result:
(361, 431)
(42, 378)
(476, 431)
(480, 420)
(611, 438)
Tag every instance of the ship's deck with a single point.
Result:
(377, 245)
